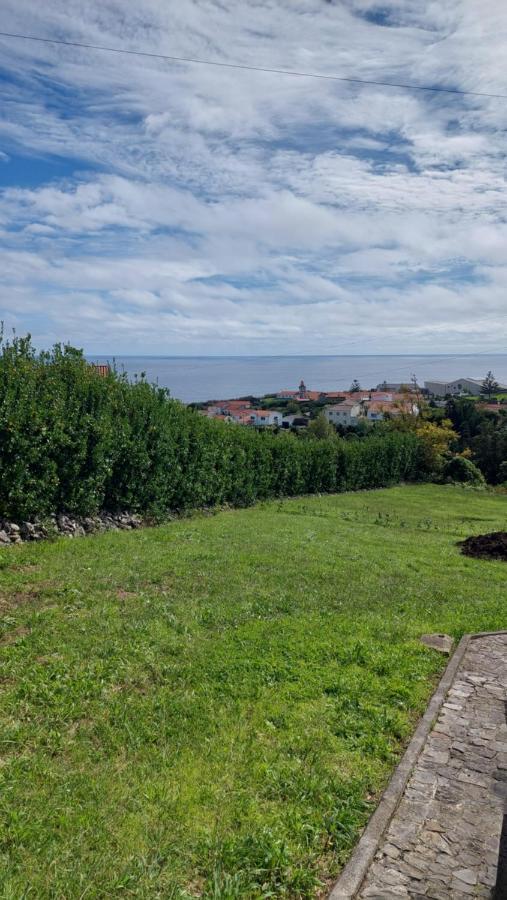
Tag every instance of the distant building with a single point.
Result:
(264, 417)
(295, 421)
(334, 395)
(396, 387)
(493, 407)
(347, 413)
(458, 386)
(301, 395)
(374, 407)
(375, 411)
(227, 407)
(101, 369)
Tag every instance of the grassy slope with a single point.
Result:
(212, 706)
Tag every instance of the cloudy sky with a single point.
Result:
(156, 207)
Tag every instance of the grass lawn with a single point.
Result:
(211, 708)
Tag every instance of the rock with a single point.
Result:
(124, 523)
(68, 526)
(466, 875)
(441, 642)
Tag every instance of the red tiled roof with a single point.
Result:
(347, 404)
(102, 370)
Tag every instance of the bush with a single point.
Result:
(73, 441)
(464, 471)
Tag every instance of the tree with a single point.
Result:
(292, 408)
(489, 386)
(436, 441)
(463, 471)
(320, 427)
(435, 438)
(467, 419)
(489, 448)
(355, 387)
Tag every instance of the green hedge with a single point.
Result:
(73, 441)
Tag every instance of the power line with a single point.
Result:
(410, 330)
(430, 362)
(244, 66)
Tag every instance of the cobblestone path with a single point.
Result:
(444, 839)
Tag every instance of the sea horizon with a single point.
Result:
(196, 379)
(288, 355)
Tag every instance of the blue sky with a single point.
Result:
(156, 207)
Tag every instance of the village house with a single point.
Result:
(102, 369)
(295, 421)
(241, 416)
(226, 408)
(335, 396)
(375, 411)
(264, 417)
(347, 413)
(302, 395)
(458, 386)
(347, 410)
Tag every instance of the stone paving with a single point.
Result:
(443, 841)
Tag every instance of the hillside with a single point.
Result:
(210, 708)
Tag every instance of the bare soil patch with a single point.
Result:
(9, 600)
(11, 636)
(486, 546)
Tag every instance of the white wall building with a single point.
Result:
(346, 413)
(263, 417)
(375, 413)
(456, 387)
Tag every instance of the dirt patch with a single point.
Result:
(18, 598)
(126, 595)
(16, 634)
(486, 546)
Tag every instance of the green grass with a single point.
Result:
(211, 708)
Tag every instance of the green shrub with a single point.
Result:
(73, 441)
(464, 471)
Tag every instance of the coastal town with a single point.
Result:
(294, 408)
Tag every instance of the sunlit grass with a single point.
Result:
(212, 707)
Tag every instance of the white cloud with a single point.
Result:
(207, 207)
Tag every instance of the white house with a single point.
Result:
(456, 387)
(346, 413)
(263, 417)
(375, 412)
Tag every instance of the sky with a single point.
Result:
(156, 207)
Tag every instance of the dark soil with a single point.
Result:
(486, 546)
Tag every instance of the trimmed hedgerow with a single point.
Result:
(73, 441)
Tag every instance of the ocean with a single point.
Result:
(199, 378)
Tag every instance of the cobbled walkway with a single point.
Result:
(443, 841)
